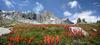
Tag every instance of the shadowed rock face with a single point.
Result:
(67, 21)
(31, 16)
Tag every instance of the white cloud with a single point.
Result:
(87, 15)
(8, 3)
(38, 8)
(73, 4)
(66, 13)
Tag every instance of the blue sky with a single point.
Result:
(72, 9)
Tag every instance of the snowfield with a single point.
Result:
(4, 31)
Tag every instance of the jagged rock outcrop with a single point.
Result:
(66, 21)
(43, 18)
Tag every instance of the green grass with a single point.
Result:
(38, 32)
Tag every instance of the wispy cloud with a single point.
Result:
(67, 13)
(8, 3)
(24, 3)
(96, 4)
(73, 4)
(38, 7)
(87, 15)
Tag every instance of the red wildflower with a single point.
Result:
(30, 39)
(66, 27)
(45, 39)
(10, 43)
(52, 40)
(57, 39)
(70, 34)
(17, 38)
(48, 39)
(11, 38)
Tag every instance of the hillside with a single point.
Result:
(87, 27)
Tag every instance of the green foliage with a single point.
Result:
(78, 20)
(3, 40)
(95, 41)
(83, 20)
